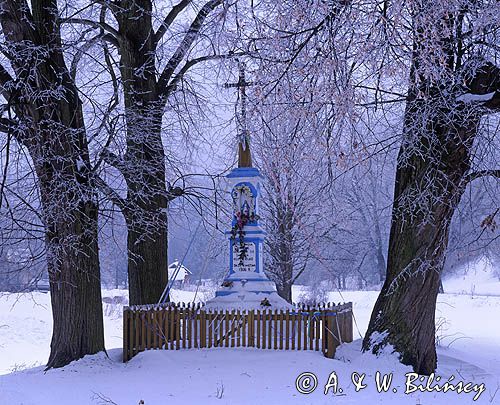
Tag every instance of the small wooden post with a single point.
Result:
(287, 327)
(299, 330)
(251, 337)
(330, 351)
(270, 329)
(306, 324)
(244, 316)
(171, 335)
(264, 331)
(184, 319)
(238, 328)
(258, 336)
(226, 343)
(350, 319)
(195, 326)
(189, 319)
(143, 330)
(323, 330)
(126, 338)
(203, 329)
(210, 327)
(131, 336)
(232, 320)
(311, 330)
(281, 333)
(177, 328)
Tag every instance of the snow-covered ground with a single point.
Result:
(469, 349)
(479, 278)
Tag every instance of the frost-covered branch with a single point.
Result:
(113, 35)
(6, 81)
(186, 43)
(481, 173)
(170, 18)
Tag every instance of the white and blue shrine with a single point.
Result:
(246, 286)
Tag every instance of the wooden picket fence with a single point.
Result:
(174, 326)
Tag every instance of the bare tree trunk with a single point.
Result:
(146, 90)
(284, 283)
(147, 261)
(404, 313)
(430, 179)
(75, 287)
(144, 162)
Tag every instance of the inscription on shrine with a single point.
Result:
(249, 262)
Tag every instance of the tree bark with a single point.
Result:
(404, 314)
(52, 128)
(284, 284)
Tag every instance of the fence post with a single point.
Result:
(156, 316)
(330, 337)
(282, 335)
(126, 337)
(177, 328)
(196, 326)
(251, 341)
(233, 331)
(287, 329)
(239, 325)
(270, 330)
(210, 327)
(203, 328)
(258, 331)
(350, 335)
(262, 320)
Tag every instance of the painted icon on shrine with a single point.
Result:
(243, 201)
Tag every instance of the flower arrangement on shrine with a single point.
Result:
(238, 233)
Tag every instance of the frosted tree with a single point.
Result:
(297, 217)
(454, 85)
(156, 47)
(42, 112)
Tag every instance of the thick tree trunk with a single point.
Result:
(70, 212)
(144, 161)
(147, 250)
(75, 287)
(429, 184)
(145, 94)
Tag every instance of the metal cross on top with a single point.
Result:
(244, 155)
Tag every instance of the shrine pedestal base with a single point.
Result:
(247, 290)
